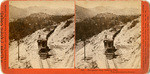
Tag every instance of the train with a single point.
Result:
(109, 48)
(43, 49)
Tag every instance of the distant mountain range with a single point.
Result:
(15, 12)
(117, 11)
(83, 13)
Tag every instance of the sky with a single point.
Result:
(116, 4)
(70, 4)
(50, 4)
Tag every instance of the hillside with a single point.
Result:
(83, 13)
(15, 13)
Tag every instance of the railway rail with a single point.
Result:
(44, 63)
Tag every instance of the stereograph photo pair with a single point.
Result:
(74, 37)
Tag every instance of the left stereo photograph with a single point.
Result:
(41, 34)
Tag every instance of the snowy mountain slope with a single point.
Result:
(61, 42)
(127, 42)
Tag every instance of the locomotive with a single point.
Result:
(109, 49)
(43, 48)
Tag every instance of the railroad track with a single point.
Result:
(44, 63)
(110, 64)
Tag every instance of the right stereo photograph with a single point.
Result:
(108, 35)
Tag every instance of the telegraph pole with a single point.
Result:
(84, 51)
